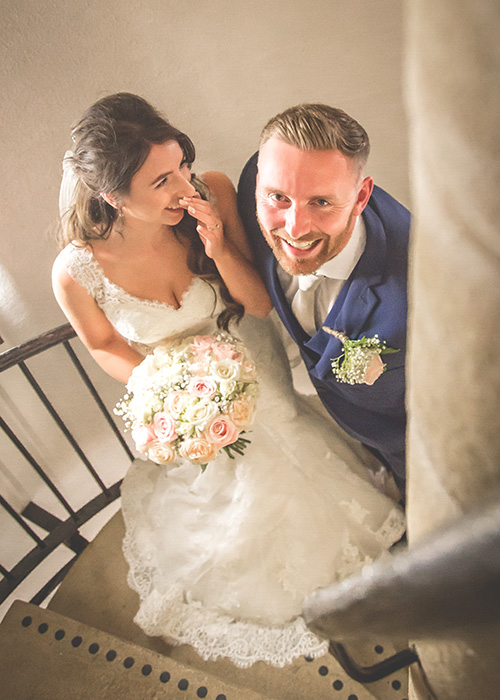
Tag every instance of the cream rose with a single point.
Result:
(222, 431)
(200, 413)
(226, 369)
(228, 387)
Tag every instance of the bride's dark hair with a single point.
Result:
(111, 142)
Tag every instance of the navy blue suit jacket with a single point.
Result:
(372, 301)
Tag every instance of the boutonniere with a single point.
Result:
(360, 361)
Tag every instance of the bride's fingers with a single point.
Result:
(201, 210)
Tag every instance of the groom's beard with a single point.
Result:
(325, 247)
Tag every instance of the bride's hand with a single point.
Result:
(210, 227)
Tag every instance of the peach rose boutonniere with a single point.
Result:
(360, 361)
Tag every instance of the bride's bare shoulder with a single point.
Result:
(219, 184)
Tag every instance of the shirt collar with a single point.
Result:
(341, 266)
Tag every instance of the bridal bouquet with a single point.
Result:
(191, 399)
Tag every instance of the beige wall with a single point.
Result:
(218, 68)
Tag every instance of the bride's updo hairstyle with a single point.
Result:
(111, 143)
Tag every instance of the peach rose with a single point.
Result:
(164, 427)
(200, 368)
(161, 453)
(249, 369)
(198, 450)
(143, 435)
(242, 412)
(176, 402)
(222, 431)
(202, 387)
(374, 370)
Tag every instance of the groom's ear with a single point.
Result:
(111, 200)
(364, 194)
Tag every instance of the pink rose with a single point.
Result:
(223, 351)
(374, 370)
(161, 453)
(222, 431)
(198, 450)
(202, 386)
(164, 427)
(143, 435)
(202, 343)
(242, 412)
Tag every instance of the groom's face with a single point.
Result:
(307, 203)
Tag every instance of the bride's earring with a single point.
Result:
(120, 219)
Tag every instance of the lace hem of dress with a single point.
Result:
(215, 635)
(174, 616)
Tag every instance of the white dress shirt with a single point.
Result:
(333, 274)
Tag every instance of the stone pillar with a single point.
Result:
(453, 84)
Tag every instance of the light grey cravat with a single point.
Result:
(303, 301)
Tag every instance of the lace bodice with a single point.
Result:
(142, 321)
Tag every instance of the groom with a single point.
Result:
(332, 250)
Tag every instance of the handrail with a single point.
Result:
(60, 532)
(22, 352)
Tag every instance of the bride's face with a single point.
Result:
(157, 187)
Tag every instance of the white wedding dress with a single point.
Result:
(222, 560)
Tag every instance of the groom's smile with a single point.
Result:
(307, 203)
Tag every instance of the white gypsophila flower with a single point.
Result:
(144, 406)
(360, 361)
(167, 375)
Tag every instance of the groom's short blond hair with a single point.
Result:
(318, 127)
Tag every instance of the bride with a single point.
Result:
(222, 560)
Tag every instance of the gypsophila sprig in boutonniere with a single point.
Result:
(360, 361)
